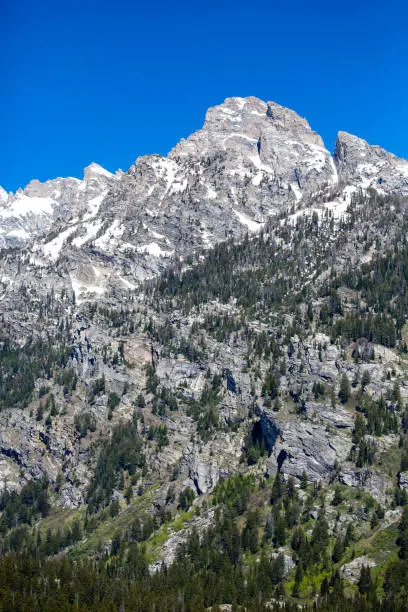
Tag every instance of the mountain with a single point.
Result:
(213, 342)
(364, 166)
(251, 161)
(30, 213)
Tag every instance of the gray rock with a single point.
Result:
(308, 446)
(403, 480)
(351, 571)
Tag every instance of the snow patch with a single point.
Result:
(156, 234)
(35, 260)
(318, 160)
(94, 204)
(257, 179)
(3, 195)
(240, 102)
(84, 291)
(335, 177)
(402, 167)
(127, 284)
(91, 229)
(297, 192)
(337, 208)
(227, 111)
(113, 232)
(211, 193)
(127, 246)
(177, 187)
(239, 135)
(19, 233)
(97, 271)
(258, 164)
(154, 249)
(206, 239)
(238, 171)
(53, 248)
(150, 212)
(348, 193)
(24, 205)
(167, 169)
(253, 226)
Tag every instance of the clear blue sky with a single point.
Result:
(102, 81)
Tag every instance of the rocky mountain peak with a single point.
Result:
(365, 165)
(95, 170)
(246, 119)
(29, 213)
(250, 160)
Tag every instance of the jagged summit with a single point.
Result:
(234, 108)
(365, 165)
(95, 169)
(264, 124)
(250, 160)
(29, 213)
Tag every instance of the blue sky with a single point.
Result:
(101, 81)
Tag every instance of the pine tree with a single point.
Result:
(279, 538)
(338, 498)
(344, 393)
(403, 537)
(366, 379)
(364, 583)
(338, 550)
(350, 535)
(277, 488)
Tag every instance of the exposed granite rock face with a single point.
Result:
(351, 571)
(168, 552)
(314, 447)
(30, 213)
(243, 166)
(203, 474)
(403, 480)
(319, 445)
(268, 153)
(204, 465)
(361, 165)
(371, 480)
(29, 450)
(391, 517)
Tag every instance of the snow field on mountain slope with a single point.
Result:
(154, 249)
(53, 248)
(23, 205)
(253, 226)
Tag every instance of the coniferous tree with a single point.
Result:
(344, 393)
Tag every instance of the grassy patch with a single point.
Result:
(380, 546)
(106, 530)
(390, 461)
(59, 518)
(160, 537)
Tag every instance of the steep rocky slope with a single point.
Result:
(239, 304)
